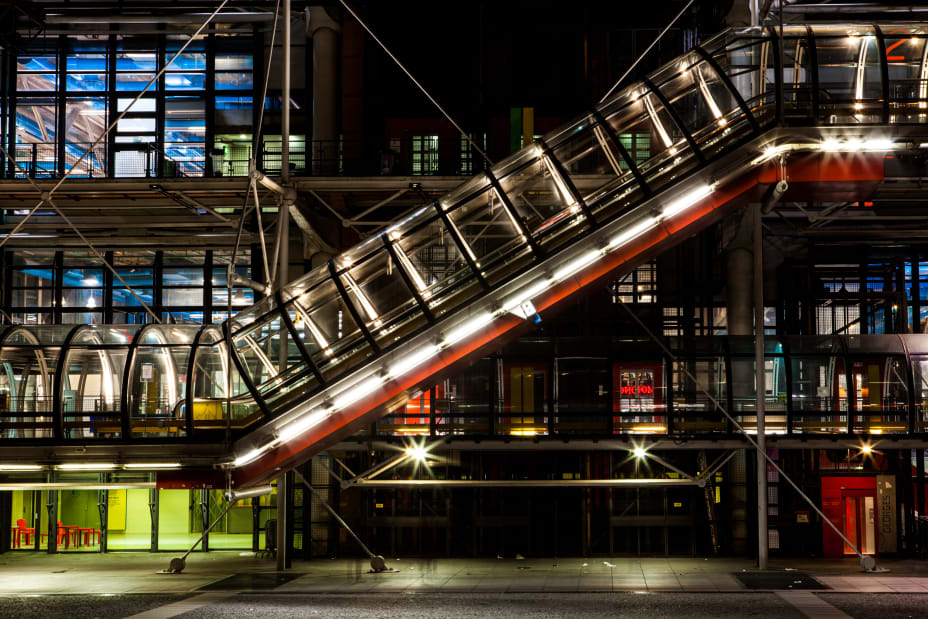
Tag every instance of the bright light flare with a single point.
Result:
(639, 452)
(417, 453)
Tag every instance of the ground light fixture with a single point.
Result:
(417, 453)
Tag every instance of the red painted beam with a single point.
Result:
(813, 175)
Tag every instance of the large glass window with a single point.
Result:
(423, 155)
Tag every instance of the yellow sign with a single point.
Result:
(116, 510)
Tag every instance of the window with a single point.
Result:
(86, 72)
(234, 72)
(36, 73)
(35, 136)
(424, 150)
(187, 72)
(468, 153)
(638, 146)
(639, 286)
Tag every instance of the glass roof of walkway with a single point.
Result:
(388, 313)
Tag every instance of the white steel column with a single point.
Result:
(760, 389)
(283, 239)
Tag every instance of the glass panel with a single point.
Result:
(210, 378)
(104, 334)
(79, 521)
(157, 391)
(91, 389)
(819, 385)
(920, 372)
(880, 395)
(382, 298)
(642, 117)
(525, 404)
(433, 253)
(86, 122)
(179, 524)
(849, 75)
(234, 80)
(908, 82)
(693, 410)
(583, 396)
(128, 519)
(186, 61)
(234, 62)
(589, 160)
(333, 324)
(487, 228)
(26, 389)
(135, 61)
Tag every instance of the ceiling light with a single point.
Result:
(20, 467)
(86, 466)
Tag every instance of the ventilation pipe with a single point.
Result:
(324, 146)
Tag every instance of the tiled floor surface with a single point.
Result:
(33, 573)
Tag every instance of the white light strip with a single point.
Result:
(665, 137)
(302, 425)
(633, 232)
(407, 265)
(86, 466)
(467, 329)
(365, 302)
(357, 392)
(577, 264)
(249, 456)
(414, 360)
(710, 101)
(20, 467)
(153, 465)
(686, 201)
(526, 295)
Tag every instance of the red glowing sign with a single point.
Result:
(637, 390)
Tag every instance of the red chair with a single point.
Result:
(67, 533)
(88, 534)
(22, 529)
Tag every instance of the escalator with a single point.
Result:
(650, 166)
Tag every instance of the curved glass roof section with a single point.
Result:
(120, 382)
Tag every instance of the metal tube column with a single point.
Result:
(760, 390)
(283, 237)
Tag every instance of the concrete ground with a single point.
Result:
(123, 584)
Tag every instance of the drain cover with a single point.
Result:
(250, 581)
(778, 580)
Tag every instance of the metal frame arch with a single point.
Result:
(57, 411)
(726, 81)
(665, 103)
(191, 362)
(307, 358)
